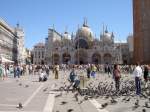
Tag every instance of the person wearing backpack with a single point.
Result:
(117, 76)
(72, 76)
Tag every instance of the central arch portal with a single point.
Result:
(81, 57)
(96, 58)
(66, 58)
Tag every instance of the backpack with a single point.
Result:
(72, 76)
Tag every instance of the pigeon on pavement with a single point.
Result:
(59, 95)
(143, 110)
(20, 106)
(104, 105)
(69, 110)
(147, 105)
(76, 96)
(45, 89)
(113, 101)
(63, 103)
(20, 84)
(26, 86)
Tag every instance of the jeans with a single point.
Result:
(93, 74)
(117, 83)
(138, 85)
(16, 74)
(56, 74)
(88, 75)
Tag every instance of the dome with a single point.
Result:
(66, 36)
(107, 37)
(85, 32)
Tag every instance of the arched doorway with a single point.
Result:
(42, 62)
(66, 58)
(96, 58)
(124, 59)
(107, 58)
(55, 59)
(81, 57)
(81, 43)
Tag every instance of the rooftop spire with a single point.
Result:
(18, 25)
(53, 27)
(85, 22)
(103, 29)
(66, 28)
(106, 31)
(72, 36)
(112, 34)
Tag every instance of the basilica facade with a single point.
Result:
(83, 48)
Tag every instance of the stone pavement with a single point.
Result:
(40, 96)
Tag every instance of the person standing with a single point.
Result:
(109, 69)
(138, 74)
(117, 76)
(146, 74)
(1, 70)
(93, 71)
(56, 71)
(88, 71)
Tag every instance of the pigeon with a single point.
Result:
(20, 105)
(128, 99)
(124, 99)
(76, 96)
(80, 102)
(143, 110)
(149, 99)
(104, 105)
(113, 101)
(136, 104)
(59, 95)
(45, 89)
(147, 105)
(69, 110)
(86, 98)
(20, 84)
(143, 95)
(107, 97)
(26, 86)
(63, 103)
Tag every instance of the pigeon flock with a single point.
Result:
(106, 89)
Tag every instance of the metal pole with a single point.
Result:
(78, 50)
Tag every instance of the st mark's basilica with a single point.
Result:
(83, 47)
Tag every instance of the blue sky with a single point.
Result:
(36, 16)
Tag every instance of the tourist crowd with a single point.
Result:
(115, 71)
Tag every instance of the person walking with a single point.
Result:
(17, 71)
(117, 76)
(138, 74)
